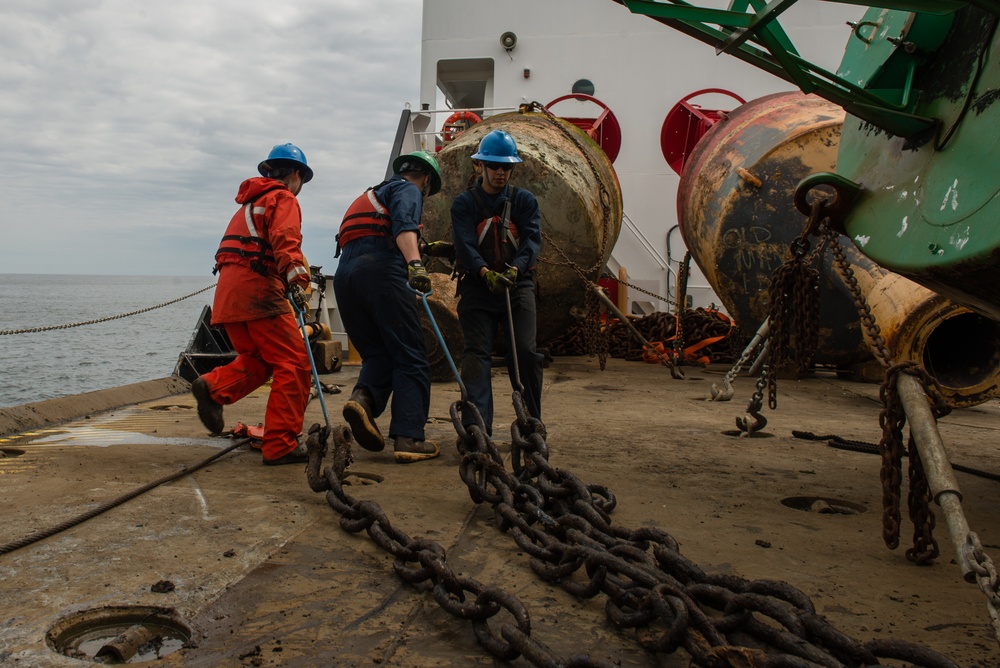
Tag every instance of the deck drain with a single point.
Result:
(822, 505)
(116, 635)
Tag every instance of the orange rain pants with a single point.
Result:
(268, 347)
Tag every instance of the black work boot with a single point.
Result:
(300, 455)
(209, 410)
(410, 450)
(358, 413)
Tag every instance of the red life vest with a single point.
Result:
(366, 217)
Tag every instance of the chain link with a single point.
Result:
(794, 295)
(33, 330)
(564, 525)
(892, 419)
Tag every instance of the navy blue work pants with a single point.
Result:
(480, 313)
(380, 315)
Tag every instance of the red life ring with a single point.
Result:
(457, 123)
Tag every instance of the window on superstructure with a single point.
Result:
(583, 86)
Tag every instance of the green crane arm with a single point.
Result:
(882, 94)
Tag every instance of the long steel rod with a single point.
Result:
(674, 371)
(940, 475)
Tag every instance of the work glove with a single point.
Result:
(511, 275)
(418, 277)
(444, 249)
(299, 298)
(497, 282)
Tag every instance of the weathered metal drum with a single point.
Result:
(737, 217)
(577, 191)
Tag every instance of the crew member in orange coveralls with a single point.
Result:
(259, 261)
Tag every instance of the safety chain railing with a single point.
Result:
(33, 330)
(564, 525)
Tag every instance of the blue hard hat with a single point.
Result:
(497, 146)
(286, 155)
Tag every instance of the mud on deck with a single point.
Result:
(264, 576)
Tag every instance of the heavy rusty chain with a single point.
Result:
(892, 420)
(682, 281)
(699, 324)
(794, 308)
(754, 420)
(33, 330)
(595, 338)
(564, 525)
(877, 341)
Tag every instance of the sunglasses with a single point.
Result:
(501, 166)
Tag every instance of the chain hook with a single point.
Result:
(754, 421)
(723, 395)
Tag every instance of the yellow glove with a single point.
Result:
(511, 275)
(418, 277)
(497, 282)
(444, 249)
(299, 298)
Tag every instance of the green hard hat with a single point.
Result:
(420, 161)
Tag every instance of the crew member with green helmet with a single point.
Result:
(380, 267)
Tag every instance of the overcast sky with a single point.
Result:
(128, 125)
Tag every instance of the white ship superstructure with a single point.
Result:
(489, 58)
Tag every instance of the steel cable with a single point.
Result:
(108, 505)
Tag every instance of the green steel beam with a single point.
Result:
(774, 58)
(686, 12)
(763, 20)
(927, 6)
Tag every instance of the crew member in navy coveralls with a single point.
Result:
(496, 230)
(379, 265)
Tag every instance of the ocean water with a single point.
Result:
(61, 362)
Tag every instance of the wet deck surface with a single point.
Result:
(264, 575)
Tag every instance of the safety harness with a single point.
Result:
(496, 235)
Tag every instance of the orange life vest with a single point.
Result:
(254, 250)
(366, 217)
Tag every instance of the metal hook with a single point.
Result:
(723, 395)
(753, 422)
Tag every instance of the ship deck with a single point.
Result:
(263, 574)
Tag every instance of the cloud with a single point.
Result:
(128, 126)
